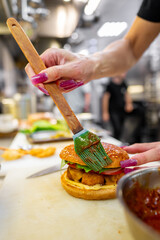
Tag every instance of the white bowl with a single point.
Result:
(8, 123)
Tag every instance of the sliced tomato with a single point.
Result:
(113, 172)
(72, 165)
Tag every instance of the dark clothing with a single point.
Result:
(116, 106)
(150, 10)
(117, 96)
(117, 121)
(126, 127)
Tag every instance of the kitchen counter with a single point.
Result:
(29, 162)
(39, 208)
(6, 142)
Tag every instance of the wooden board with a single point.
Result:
(40, 209)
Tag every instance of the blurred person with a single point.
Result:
(116, 103)
(79, 99)
(118, 57)
(97, 89)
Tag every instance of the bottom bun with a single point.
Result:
(96, 192)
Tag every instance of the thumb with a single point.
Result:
(60, 72)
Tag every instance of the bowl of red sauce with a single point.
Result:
(139, 194)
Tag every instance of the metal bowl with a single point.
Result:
(150, 178)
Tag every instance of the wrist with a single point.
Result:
(97, 71)
(104, 64)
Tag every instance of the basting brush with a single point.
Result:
(87, 144)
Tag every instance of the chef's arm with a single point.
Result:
(121, 55)
(105, 107)
(116, 59)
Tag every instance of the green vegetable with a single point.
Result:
(42, 125)
(85, 168)
(63, 163)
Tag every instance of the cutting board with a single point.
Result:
(40, 209)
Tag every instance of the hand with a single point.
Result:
(144, 152)
(129, 107)
(105, 117)
(69, 70)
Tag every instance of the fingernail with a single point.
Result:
(66, 83)
(128, 163)
(39, 78)
(123, 147)
(128, 170)
(80, 84)
(43, 90)
(70, 84)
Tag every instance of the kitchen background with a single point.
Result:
(83, 26)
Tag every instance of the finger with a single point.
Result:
(140, 147)
(68, 85)
(50, 74)
(54, 60)
(42, 89)
(54, 56)
(55, 73)
(69, 71)
(29, 71)
(50, 58)
(148, 156)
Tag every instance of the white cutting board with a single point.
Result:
(40, 209)
(28, 161)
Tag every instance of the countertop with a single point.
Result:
(40, 209)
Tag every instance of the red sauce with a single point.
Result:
(145, 203)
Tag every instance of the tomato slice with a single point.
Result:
(72, 165)
(107, 172)
(113, 172)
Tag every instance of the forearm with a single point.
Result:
(115, 59)
(128, 98)
(128, 103)
(105, 103)
(121, 55)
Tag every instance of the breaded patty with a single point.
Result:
(91, 178)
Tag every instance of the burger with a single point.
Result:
(81, 181)
(34, 117)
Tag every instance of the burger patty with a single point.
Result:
(91, 178)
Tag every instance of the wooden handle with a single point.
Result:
(37, 64)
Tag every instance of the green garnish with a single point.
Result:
(63, 163)
(85, 168)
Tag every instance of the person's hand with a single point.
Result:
(129, 107)
(105, 116)
(144, 153)
(69, 70)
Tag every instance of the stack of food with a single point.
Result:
(82, 182)
(43, 127)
